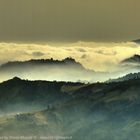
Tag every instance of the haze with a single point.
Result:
(69, 20)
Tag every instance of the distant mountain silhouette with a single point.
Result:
(134, 59)
(137, 41)
(67, 69)
(35, 62)
(84, 111)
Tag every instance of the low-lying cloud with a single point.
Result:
(106, 53)
(38, 54)
(92, 55)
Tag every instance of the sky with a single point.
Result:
(96, 33)
(69, 20)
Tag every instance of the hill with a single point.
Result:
(23, 95)
(130, 76)
(40, 62)
(84, 111)
(134, 59)
(67, 69)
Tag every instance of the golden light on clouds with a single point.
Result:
(93, 55)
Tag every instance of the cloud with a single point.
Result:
(68, 49)
(38, 54)
(103, 52)
(84, 56)
(81, 50)
(97, 56)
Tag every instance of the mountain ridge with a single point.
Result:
(51, 61)
(127, 77)
(67, 69)
(133, 59)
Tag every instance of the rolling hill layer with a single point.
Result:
(103, 111)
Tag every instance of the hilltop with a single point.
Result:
(134, 59)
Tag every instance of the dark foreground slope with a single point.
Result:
(101, 111)
(22, 95)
